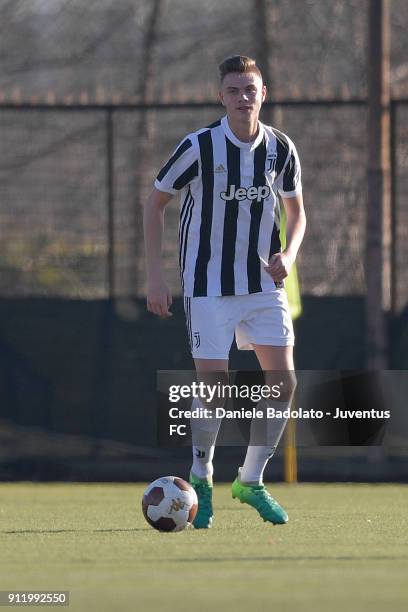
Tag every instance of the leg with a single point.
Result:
(274, 357)
(267, 329)
(211, 365)
(204, 431)
(210, 326)
(204, 434)
(277, 363)
(210, 332)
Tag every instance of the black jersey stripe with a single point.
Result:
(186, 311)
(204, 247)
(229, 237)
(185, 145)
(282, 150)
(253, 261)
(182, 223)
(214, 125)
(275, 241)
(190, 326)
(185, 203)
(182, 227)
(187, 176)
(282, 154)
(185, 237)
(289, 175)
(188, 318)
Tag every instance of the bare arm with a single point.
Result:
(158, 294)
(280, 263)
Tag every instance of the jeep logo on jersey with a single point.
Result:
(252, 193)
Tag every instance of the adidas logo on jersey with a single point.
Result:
(220, 168)
(252, 193)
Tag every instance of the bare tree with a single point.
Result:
(130, 279)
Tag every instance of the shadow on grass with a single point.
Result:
(288, 558)
(17, 531)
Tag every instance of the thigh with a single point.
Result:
(274, 357)
(266, 321)
(213, 373)
(210, 326)
(279, 370)
(211, 365)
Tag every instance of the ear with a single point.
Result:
(263, 92)
(221, 98)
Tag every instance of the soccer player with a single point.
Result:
(232, 267)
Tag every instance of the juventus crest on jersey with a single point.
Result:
(229, 218)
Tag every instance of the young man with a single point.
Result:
(231, 264)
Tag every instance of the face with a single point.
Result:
(242, 94)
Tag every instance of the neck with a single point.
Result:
(246, 131)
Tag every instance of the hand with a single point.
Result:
(279, 266)
(159, 299)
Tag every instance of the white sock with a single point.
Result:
(204, 433)
(203, 461)
(264, 438)
(255, 462)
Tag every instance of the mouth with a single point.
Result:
(245, 108)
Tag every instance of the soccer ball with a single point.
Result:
(169, 504)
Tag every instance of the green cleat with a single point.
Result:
(258, 497)
(204, 488)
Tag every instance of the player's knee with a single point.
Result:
(291, 382)
(282, 384)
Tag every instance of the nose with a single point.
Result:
(243, 98)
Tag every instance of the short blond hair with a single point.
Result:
(238, 63)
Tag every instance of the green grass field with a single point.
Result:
(345, 548)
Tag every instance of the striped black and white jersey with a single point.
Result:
(229, 216)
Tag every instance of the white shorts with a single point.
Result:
(256, 318)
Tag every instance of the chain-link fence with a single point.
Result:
(93, 99)
(91, 104)
(73, 184)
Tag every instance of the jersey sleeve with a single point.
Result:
(180, 169)
(290, 179)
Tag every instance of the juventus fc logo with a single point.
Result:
(196, 339)
(271, 159)
(200, 454)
